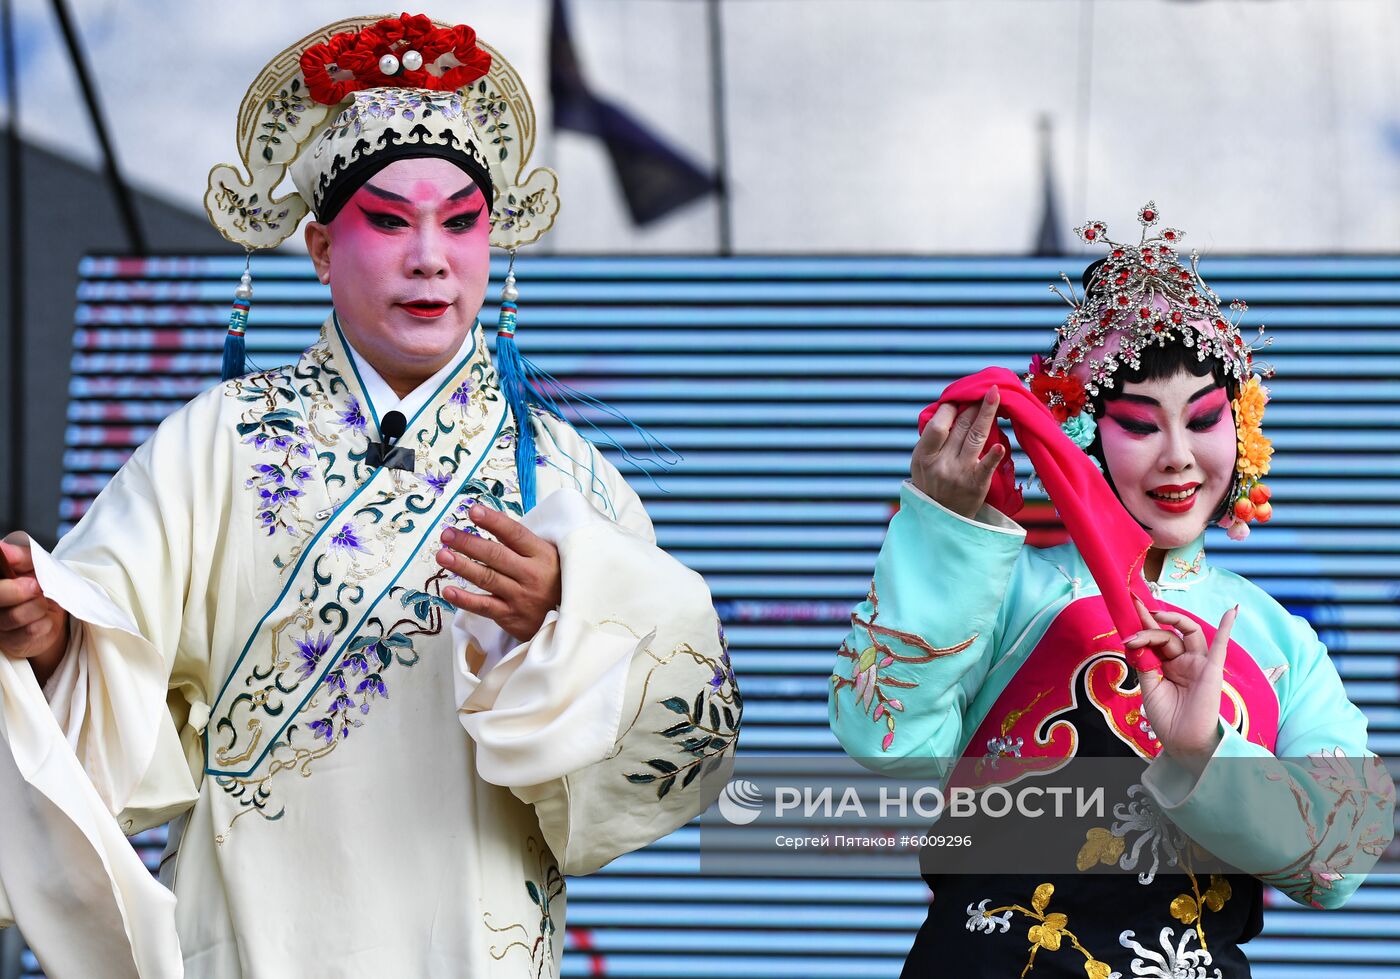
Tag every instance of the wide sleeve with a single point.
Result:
(921, 643)
(1311, 817)
(617, 720)
(96, 755)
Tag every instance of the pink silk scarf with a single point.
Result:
(1113, 544)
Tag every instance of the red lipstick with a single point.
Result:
(1174, 498)
(425, 308)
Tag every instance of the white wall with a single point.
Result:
(900, 126)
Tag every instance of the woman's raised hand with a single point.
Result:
(1182, 698)
(949, 465)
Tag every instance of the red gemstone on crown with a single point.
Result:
(1148, 214)
(1144, 312)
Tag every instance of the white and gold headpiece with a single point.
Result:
(348, 99)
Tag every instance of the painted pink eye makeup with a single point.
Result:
(1135, 422)
(1210, 404)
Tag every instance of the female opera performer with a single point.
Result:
(973, 651)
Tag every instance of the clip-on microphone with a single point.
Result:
(391, 429)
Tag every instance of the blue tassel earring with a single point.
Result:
(235, 344)
(515, 386)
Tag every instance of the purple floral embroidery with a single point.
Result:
(269, 474)
(353, 416)
(281, 433)
(374, 686)
(347, 539)
(311, 649)
(357, 662)
(437, 479)
(367, 657)
(463, 395)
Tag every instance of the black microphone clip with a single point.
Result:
(384, 453)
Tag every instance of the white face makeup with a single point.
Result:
(1170, 449)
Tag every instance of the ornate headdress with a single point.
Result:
(349, 99)
(1141, 296)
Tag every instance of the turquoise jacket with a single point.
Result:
(958, 606)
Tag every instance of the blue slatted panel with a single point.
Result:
(791, 386)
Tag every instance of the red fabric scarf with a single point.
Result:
(1113, 544)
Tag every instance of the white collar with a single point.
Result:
(382, 397)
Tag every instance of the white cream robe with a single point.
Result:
(260, 651)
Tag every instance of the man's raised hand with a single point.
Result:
(519, 571)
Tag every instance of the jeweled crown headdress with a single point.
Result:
(1144, 295)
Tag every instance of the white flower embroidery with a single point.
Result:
(979, 920)
(1172, 962)
(1334, 770)
(1159, 835)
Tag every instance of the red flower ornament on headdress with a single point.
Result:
(397, 52)
(1063, 394)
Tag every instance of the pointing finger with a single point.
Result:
(1220, 644)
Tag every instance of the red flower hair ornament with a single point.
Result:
(397, 52)
(1063, 394)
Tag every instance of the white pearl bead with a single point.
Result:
(389, 65)
(509, 293)
(412, 60)
(243, 292)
